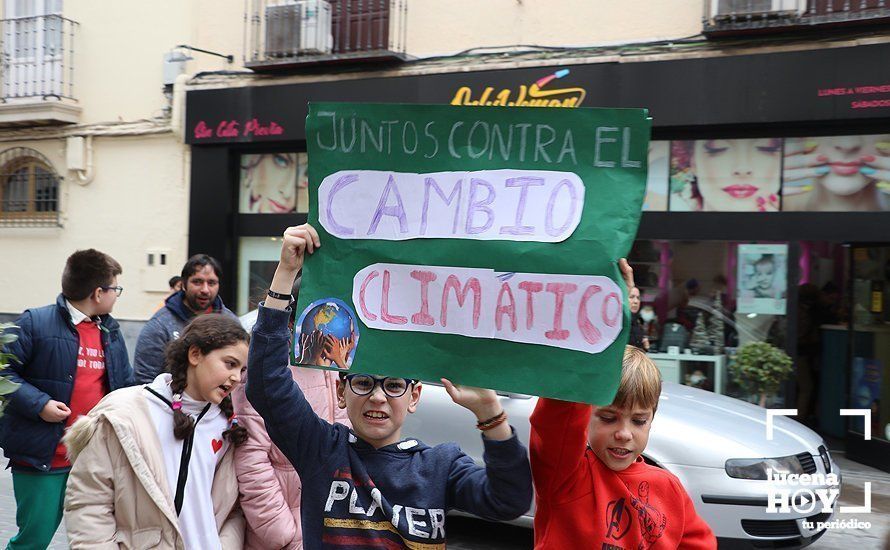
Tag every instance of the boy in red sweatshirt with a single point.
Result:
(593, 490)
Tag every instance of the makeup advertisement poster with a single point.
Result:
(657, 182)
(726, 175)
(472, 243)
(762, 280)
(268, 183)
(837, 174)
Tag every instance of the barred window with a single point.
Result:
(29, 189)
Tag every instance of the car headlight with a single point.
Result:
(757, 468)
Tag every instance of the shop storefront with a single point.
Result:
(767, 215)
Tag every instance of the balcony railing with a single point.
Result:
(724, 17)
(283, 34)
(36, 57)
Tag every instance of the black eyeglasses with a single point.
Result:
(117, 289)
(364, 384)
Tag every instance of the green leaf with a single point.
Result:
(7, 386)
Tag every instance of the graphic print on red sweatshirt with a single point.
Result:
(651, 521)
(90, 384)
(619, 518)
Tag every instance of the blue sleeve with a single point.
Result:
(502, 490)
(27, 400)
(148, 360)
(129, 378)
(304, 438)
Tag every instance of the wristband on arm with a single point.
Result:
(485, 425)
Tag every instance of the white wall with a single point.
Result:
(138, 200)
(436, 28)
(120, 45)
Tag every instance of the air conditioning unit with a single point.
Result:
(724, 9)
(299, 28)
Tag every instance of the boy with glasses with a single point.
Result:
(68, 356)
(369, 487)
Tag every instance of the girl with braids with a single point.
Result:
(153, 466)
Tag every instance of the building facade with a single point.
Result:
(90, 152)
(767, 209)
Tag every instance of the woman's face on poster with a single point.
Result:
(764, 275)
(271, 181)
(740, 175)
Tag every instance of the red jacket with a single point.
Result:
(582, 503)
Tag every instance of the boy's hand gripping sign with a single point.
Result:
(476, 244)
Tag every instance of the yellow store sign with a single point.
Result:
(526, 96)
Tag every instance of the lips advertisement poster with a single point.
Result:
(475, 244)
(808, 174)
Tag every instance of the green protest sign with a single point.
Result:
(472, 243)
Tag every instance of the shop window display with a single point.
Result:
(870, 376)
(762, 284)
(257, 258)
(689, 310)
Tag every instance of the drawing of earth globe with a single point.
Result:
(329, 317)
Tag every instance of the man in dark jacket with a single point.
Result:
(68, 356)
(199, 295)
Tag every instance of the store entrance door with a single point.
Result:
(870, 356)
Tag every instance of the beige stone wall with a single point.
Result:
(120, 46)
(436, 28)
(137, 201)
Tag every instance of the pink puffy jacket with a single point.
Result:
(269, 486)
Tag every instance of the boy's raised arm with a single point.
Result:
(557, 443)
(503, 489)
(292, 424)
(558, 438)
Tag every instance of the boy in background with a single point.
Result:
(69, 355)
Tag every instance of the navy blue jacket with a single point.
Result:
(47, 362)
(163, 327)
(355, 496)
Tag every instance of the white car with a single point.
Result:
(716, 445)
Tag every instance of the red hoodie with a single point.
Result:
(580, 502)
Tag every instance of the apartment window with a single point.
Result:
(29, 189)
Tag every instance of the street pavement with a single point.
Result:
(855, 476)
(473, 534)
